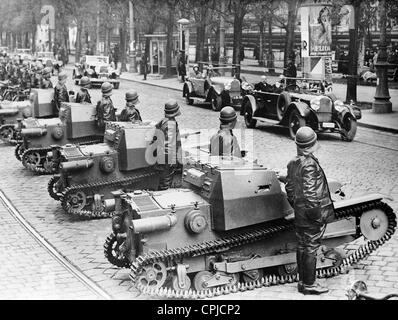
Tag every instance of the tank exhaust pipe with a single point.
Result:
(76, 165)
(153, 224)
(33, 132)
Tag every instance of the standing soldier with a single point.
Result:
(105, 109)
(45, 81)
(308, 193)
(60, 91)
(83, 96)
(224, 143)
(37, 76)
(131, 113)
(168, 143)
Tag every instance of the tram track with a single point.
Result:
(63, 261)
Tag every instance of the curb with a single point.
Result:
(360, 124)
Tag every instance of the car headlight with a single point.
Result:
(339, 105)
(315, 104)
(228, 86)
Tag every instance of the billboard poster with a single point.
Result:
(320, 30)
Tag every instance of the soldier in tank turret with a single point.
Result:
(224, 143)
(60, 90)
(46, 81)
(130, 112)
(83, 96)
(105, 109)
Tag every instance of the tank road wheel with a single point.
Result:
(51, 188)
(113, 253)
(373, 224)
(31, 159)
(175, 284)
(287, 269)
(19, 150)
(200, 280)
(216, 102)
(152, 276)
(6, 133)
(75, 202)
(349, 128)
(249, 121)
(296, 121)
(252, 275)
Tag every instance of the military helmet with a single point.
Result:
(106, 89)
(39, 66)
(85, 81)
(227, 115)
(62, 75)
(132, 96)
(305, 137)
(171, 108)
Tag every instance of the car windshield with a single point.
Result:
(48, 55)
(97, 60)
(214, 70)
(305, 84)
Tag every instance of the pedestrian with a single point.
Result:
(83, 96)
(60, 91)
(290, 71)
(308, 193)
(168, 145)
(224, 143)
(130, 112)
(105, 109)
(181, 66)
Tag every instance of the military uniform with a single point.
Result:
(224, 143)
(60, 95)
(130, 113)
(105, 111)
(47, 84)
(83, 96)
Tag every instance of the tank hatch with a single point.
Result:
(100, 148)
(177, 197)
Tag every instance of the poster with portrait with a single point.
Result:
(320, 30)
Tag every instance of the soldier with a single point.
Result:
(83, 96)
(37, 75)
(45, 81)
(168, 141)
(130, 113)
(308, 193)
(25, 76)
(60, 90)
(224, 143)
(105, 109)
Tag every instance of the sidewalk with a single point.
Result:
(385, 122)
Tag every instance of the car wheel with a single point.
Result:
(248, 115)
(116, 85)
(296, 121)
(349, 128)
(284, 100)
(216, 102)
(74, 74)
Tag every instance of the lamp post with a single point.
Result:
(182, 23)
(382, 103)
(133, 62)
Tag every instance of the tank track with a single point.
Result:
(92, 187)
(15, 139)
(18, 154)
(51, 170)
(121, 262)
(218, 245)
(50, 188)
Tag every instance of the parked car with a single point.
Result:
(48, 59)
(98, 69)
(217, 85)
(303, 102)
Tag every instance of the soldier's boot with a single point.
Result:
(310, 286)
(299, 258)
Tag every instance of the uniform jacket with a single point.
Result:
(47, 84)
(168, 142)
(224, 143)
(60, 95)
(130, 114)
(105, 110)
(83, 96)
(308, 191)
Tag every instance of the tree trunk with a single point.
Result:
(201, 35)
(78, 46)
(239, 14)
(270, 55)
(261, 44)
(291, 24)
(123, 36)
(169, 43)
(353, 56)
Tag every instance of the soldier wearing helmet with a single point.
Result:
(83, 96)
(105, 109)
(224, 143)
(130, 112)
(308, 193)
(60, 90)
(46, 82)
(168, 145)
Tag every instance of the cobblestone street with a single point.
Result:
(367, 165)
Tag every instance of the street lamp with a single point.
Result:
(182, 23)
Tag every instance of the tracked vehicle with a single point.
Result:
(41, 137)
(213, 238)
(39, 105)
(88, 174)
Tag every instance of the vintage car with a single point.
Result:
(98, 69)
(216, 85)
(303, 102)
(48, 59)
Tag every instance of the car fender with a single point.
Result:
(187, 86)
(218, 89)
(302, 108)
(348, 110)
(252, 102)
